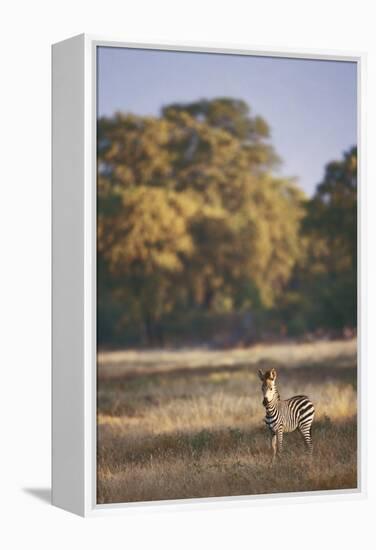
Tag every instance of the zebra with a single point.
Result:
(285, 415)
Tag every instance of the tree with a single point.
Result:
(189, 215)
(326, 279)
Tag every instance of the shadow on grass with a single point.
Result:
(193, 444)
(225, 462)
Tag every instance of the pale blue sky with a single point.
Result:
(309, 105)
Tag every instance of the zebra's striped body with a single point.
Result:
(285, 415)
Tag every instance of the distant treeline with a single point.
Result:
(198, 241)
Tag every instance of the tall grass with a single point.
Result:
(197, 431)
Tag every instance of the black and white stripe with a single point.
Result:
(285, 415)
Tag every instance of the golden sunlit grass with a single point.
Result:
(118, 363)
(181, 431)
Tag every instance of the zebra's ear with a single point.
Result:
(273, 374)
(261, 374)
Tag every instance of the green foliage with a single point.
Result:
(191, 219)
(326, 275)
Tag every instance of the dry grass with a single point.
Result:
(119, 363)
(170, 428)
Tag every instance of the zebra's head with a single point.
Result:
(268, 387)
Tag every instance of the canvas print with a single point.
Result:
(226, 275)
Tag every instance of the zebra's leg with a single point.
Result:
(274, 448)
(306, 431)
(280, 440)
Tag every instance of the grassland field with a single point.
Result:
(188, 423)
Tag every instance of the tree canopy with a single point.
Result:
(330, 228)
(191, 218)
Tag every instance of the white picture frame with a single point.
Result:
(74, 279)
